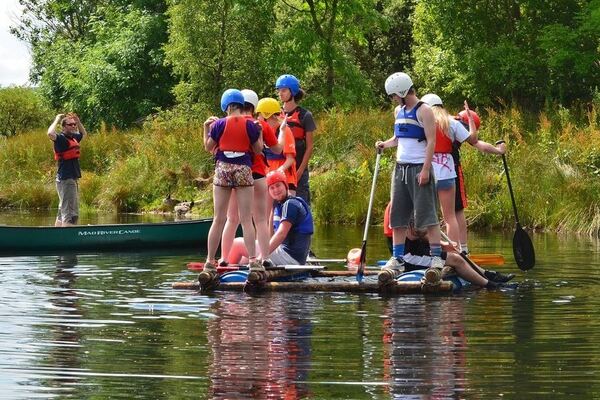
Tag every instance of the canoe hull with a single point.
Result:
(18, 240)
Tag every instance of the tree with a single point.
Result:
(522, 51)
(323, 42)
(102, 59)
(21, 109)
(215, 45)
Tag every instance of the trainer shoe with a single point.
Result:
(392, 269)
(208, 277)
(256, 266)
(395, 264)
(437, 262)
(268, 264)
(223, 263)
(210, 267)
(491, 285)
(498, 276)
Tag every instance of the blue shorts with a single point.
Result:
(445, 184)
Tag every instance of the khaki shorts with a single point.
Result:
(68, 200)
(232, 175)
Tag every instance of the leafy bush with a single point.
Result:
(21, 110)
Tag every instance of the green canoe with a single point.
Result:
(164, 235)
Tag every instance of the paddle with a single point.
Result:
(522, 246)
(363, 250)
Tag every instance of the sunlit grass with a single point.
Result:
(554, 160)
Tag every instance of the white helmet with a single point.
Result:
(432, 100)
(398, 83)
(250, 96)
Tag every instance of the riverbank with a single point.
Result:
(554, 161)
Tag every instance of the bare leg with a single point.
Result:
(464, 270)
(462, 226)
(399, 235)
(233, 220)
(433, 234)
(261, 216)
(220, 203)
(245, 196)
(447, 199)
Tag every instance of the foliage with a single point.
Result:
(101, 59)
(526, 52)
(326, 43)
(21, 109)
(216, 45)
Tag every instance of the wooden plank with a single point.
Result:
(347, 287)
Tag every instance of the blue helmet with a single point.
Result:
(289, 82)
(231, 96)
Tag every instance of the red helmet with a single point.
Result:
(276, 176)
(462, 116)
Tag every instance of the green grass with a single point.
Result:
(554, 160)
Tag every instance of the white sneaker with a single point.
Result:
(394, 264)
(437, 262)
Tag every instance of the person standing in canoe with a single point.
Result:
(66, 153)
(285, 162)
(413, 188)
(292, 224)
(232, 139)
(302, 124)
(261, 207)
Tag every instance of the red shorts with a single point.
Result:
(461, 190)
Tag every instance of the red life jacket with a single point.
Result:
(235, 136)
(443, 144)
(259, 161)
(295, 124)
(72, 152)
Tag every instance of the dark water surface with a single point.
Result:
(110, 326)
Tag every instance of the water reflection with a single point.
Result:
(425, 348)
(110, 326)
(260, 347)
(64, 339)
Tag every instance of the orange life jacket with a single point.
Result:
(72, 152)
(235, 136)
(443, 144)
(295, 124)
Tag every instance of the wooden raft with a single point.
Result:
(349, 287)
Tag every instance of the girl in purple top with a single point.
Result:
(232, 139)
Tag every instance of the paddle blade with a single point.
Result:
(523, 249)
(487, 259)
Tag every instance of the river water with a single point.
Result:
(110, 326)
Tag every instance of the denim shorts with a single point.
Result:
(445, 184)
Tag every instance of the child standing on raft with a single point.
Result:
(302, 124)
(413, 189)
(261, 208)
(233, 139)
